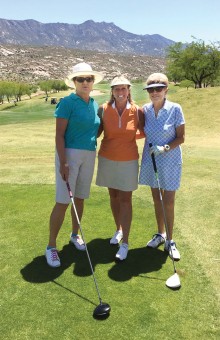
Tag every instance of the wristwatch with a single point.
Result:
(166, 147)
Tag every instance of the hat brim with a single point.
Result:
(121, 82)
(70, 83)
(154, 85)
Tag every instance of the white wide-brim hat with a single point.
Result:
(82, 69)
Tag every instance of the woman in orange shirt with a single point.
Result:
(118, 157)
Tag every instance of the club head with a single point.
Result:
(173, 282)
(102, 311)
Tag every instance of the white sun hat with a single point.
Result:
(120, 80)
(82, 69)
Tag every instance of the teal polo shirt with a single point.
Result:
(83, 122)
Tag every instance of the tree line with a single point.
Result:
(15, 90)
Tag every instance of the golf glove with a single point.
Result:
(157, 150)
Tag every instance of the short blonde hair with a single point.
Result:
(157, 78)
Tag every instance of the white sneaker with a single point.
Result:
(156, 241)
(78, 242)
(118, 236)
(173, 251)
(52, 257)
(123, 252)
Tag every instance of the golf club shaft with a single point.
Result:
(162, 204)
(78, 221)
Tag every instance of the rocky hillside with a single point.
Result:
(32, 64)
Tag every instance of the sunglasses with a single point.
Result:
(157, 89)
(82, 79)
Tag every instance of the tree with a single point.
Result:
(31, 89)
(7, 89)
(58, 85)
(197, 62)
(11, 89)
(186, 83)
(174, 69)
(46, 86)
(20, 90)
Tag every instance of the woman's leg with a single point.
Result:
(121, 205)
(56, 221)
(79, 204)
(115, 206)
(158, 210)
(125, 199)
(168, 201)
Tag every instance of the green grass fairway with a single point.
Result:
(41, 303)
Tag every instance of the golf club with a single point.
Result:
(103, 309)
(173, 281)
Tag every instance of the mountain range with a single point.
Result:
(90, 35)
(31, 51)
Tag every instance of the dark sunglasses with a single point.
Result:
(157, 89)
(82, 79)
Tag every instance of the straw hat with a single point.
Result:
(82, 69)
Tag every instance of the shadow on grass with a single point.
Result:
(38, 271)
(139, 261)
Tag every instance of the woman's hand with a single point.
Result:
(64, 171)
(157, 150)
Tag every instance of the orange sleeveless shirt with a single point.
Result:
(119, 141)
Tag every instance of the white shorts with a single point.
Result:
(81, 168)
(117, 175)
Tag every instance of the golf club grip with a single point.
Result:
(153, 159)
(69, 190)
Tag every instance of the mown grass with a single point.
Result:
(41, 303)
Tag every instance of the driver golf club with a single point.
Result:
(103, 309)
(173, 281)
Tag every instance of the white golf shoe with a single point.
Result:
(52, 257)
(123, 252)
(118, 236)
(170, 246)
(156, 241)
(78, 242)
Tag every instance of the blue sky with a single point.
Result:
(174, 19)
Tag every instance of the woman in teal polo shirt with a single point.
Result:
(77, 126)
